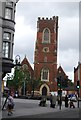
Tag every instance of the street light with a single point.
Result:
(17, 62)
(59, 85)
(17, 68)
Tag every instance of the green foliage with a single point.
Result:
(20, 76)
(9, 83)
(34, 84)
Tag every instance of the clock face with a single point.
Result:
(25, 66)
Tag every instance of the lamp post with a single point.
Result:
(17, 68)
(78, 82)
(17, 62)
(59, 84)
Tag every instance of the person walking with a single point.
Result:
(66, 101)
(53, 100)
(10, 104)
(71, 104)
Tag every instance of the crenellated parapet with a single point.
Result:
(54, 18)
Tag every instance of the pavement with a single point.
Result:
(24, 107)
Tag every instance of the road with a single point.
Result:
(25, 108)
(69, 113)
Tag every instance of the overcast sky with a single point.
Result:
(27, 14)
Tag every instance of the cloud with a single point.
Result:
(45, 1)
(24, 38)
(68, 31)
(68, 60)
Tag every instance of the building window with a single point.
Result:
(6, 36)
(6, 44)
(13, 38)
(45, 49)
(6, 49)
(45, 59)
(45, 74)
(25, 67)
(55, 41)
(55, 27)
(46, 36)
(9, 3)
(8, 13)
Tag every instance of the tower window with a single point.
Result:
(45, 74)
(45, 59)
(46, 36)
(45, 49)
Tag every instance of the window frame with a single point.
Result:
(9, 3)
(43, 72)
(46, 49)
(6, 44)
(44, 34)
(6, 37)
(8, 14)
(6, 49)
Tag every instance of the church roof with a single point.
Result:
(62, 71)
(25, 61)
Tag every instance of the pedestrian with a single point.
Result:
(50, 100)
(71, 104)
(66, 101)
(10, 104)
(53, 99)
(43, 101)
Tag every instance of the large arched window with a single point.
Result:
(46, 35)
(45, 74)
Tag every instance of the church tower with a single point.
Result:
(45, 56)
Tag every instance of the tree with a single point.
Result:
(34, 84)
(22, 76)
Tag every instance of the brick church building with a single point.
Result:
(77, 76)
(45, 55)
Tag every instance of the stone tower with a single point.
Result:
(45, 56)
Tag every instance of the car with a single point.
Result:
(73, 98)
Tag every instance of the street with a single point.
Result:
(26, 108)
(72, 113)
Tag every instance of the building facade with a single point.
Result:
(45, 56)
(7, 29)
(77, 76)
(26, 88)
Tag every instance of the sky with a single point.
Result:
(27, 14)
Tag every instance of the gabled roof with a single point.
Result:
(25, 61)
(62, 71)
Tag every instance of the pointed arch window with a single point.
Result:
(45, 74)
(46, 36)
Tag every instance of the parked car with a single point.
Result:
(73, 98)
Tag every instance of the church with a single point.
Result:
(45, 55)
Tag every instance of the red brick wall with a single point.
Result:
(51, 55)
(76, 76)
